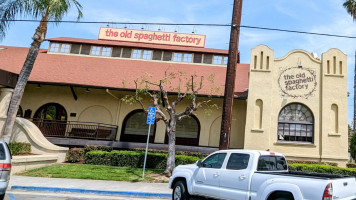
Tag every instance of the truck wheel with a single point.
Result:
(180, 191)
(2, 196)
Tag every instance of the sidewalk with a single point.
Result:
(138, 189)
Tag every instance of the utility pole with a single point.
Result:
(354, 120)
(230, 76)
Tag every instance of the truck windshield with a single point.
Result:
(271, 163)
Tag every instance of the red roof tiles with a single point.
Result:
(113, 72)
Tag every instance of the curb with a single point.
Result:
(77, 190)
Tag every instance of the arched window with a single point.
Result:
(258, 114)
(51, 119)
(51, 111)
(296, 123)
(135, 129)
(187, 131)
(334, 119)
(19, 112)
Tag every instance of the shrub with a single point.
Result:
(184, 160)
(18, 148)
(186, 153)
(134, 159)
(97, 158)
(75, 155)
(310, 162)
(88, 148)
(351, 165)
(322, 169)
(352, 147)
(194, 154)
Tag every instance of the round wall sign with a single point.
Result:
(297, 82)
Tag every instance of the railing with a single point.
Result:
(76, 129)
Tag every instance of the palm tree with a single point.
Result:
(45, 10)
(350, 6)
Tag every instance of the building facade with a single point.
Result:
(296, 105)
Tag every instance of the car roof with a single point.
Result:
(260, 152)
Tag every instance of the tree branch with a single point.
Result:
(200, 85)
(203, 102)
(165, 99)
(193, 106)
(136, 97)
(152, 83)
(179, 99)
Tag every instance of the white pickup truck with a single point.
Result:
(255, 175)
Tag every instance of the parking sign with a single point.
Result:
(151, 115)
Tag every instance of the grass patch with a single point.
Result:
(95, 172)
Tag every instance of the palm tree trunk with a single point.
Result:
(22, 81)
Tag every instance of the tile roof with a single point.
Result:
(139, 45)
(115, 73)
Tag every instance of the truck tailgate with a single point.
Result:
(344, 188)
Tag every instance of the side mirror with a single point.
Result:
(199, 163)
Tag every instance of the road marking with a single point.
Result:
(12, 197)
(102, 192)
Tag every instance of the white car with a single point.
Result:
(5, 168)
(256, 175)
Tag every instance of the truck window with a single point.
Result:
(271, 163)
(238, 161)
(214, 161)
(281, 163)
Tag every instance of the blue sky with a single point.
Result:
(324, 16)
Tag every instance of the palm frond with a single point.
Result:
(43, 9)
(350, 6)
(9, 9)
(59, 8)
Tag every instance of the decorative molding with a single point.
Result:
(334, 134)
(294, 144)
(256, 130)
(260, 70)
(334, 75)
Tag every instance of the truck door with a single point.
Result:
(208, 176)
(235, 179)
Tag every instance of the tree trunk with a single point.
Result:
(22, 81)
(171, 160)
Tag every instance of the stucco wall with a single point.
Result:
(99, 106)
(269, 84)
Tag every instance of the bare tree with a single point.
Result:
(170, 116)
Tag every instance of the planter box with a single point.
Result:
(23, 163)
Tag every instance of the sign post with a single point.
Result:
(150, 120)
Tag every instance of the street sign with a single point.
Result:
(151, 115)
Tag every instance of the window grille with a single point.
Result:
(296, 124)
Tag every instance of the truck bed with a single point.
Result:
(307, 175)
